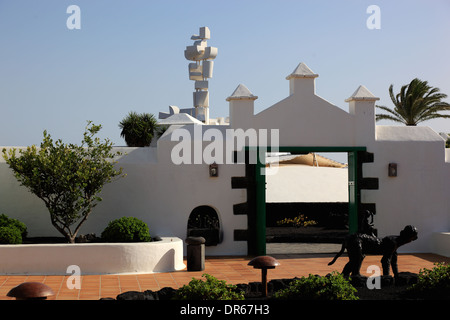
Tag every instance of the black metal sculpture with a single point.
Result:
(365, 223)
(359, 244)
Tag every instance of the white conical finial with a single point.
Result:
(302, 71)
(362, 93)
(302, 80)
(242, 93)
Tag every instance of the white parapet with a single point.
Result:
(93, 258)
(441, 243)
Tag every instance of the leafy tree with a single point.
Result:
(416, 102)
(447, 143)
(67, 177)
(138, 130)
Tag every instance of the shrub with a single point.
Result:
(5, 222)
(331, 287)
(138, 130)
(299, 221)
(126, 229)
(10, 235)
(434, 283)
(211, 289)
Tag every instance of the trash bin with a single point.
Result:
(195, 253)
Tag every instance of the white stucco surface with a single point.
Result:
(441, 243)
(93, 258)
(163, 194)
(300, 183)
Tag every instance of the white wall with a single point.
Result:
(302, 183)
(307, 120)
(154, 190)
(163, 194)
(419, 194)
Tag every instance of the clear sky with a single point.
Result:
(128, 55)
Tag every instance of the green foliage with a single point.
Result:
(416, 102)
(10, 235)
(331, 287)
(299, 221)
(126, 229)
(5, 221)
(211, 289)
(67, 177)
(434, 283)
(138, 130)
(447, 143)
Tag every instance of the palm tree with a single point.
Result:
(416, 102)
(138, 130)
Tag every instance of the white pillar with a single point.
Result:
(302, 80)
(241, 107)
(362, 106)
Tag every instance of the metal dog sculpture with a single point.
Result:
(359, 244)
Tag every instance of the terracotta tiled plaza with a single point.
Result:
(232, 269)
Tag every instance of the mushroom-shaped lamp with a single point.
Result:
(31, 290)
(264, 263)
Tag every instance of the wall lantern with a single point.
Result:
(214, 170)
(392, 170)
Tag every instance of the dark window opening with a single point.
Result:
(204, 222)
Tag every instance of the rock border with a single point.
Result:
(390, 289)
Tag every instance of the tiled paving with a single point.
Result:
(234, 270)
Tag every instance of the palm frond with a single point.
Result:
(414, 103)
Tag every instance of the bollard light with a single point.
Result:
(31, 291)
(195, 253)
(264, 263)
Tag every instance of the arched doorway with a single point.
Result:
(204, 222)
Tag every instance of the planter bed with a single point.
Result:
(253, 291)
(305, 235)
(92, 258)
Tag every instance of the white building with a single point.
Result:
(163, 193)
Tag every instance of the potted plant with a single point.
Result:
(138, 130)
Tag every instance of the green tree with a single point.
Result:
(138, 130)
(416, 102)
(67, 177)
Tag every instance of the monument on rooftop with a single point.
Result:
(200, 71)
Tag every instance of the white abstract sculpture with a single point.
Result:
(200, 71)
